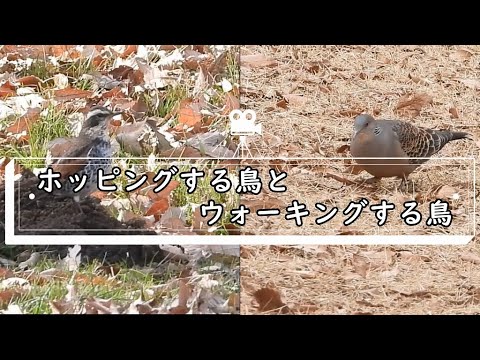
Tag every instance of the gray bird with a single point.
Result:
(396, 139)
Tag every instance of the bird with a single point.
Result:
(93, 145)
(396, 139)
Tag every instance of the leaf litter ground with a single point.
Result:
(306, 97)
(175, 101)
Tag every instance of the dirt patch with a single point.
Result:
(64, 217)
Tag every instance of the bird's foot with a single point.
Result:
(405, 184)
(372, 180)
(76, 201)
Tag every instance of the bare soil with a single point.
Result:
(48, 212)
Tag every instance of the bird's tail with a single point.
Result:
(458, 135)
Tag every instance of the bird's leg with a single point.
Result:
(404, 182)
(76, 200)
(372, 180)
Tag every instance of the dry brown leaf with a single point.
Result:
(461, 55)
(234, 300)
(282, 104)
(165, 193)
(178, 310)
(71, 94)
(6, 296)
(313, 67)
(6, 273)
(231, 103)
(257, 61)
(412, 104)
(361, 265)
(189, 113)
(348, 230)
(343, 149)
(471, 257)
(446, 192)
(30, 80)
(129, 50)
(453, 113)
(23, 124)
(471, 83)
(184, 291)
(6, 91)
(158, 208)
(270, 299)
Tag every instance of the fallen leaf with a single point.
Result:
(6, 273)
(231, 103)
(361, 265)
(6, 91)
(447, 192)
(313, 67)
(165, 193)
(347, 230)
(128, 51)
(234, 300)
(184, 291)
(257, 61)
(158, 208)
(30, 80)
(412, 104)
(282, 104)
(471, 257)
(343, 149)
(269, 299)
(461, 55)
(189, 113)
(8, 296)
(71, 94)
(71, 262)
(178, 310)
(24, 123)
(453, 113)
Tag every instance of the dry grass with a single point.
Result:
(326, 87)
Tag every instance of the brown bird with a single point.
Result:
(93, 145)
(396, 139)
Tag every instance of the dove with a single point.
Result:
(396, 139)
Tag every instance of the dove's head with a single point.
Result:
(363, 122)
